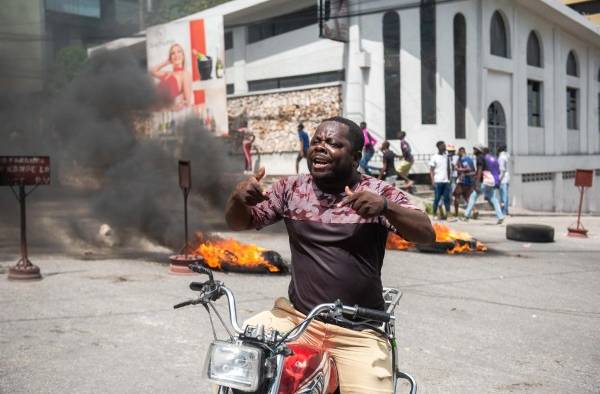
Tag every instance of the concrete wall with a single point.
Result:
(22, 63)
(297, 52)
(273, 118)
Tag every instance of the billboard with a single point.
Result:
(333, 19)
(186, 60)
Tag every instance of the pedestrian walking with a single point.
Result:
(304, 139)
(247, 141)
(368, 148)
(388, 172)
(453, 160)
(465, 168)
(503, 158)
(439, 168)
(407, 159)
(487, 180)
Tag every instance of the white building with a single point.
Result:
(520, 73)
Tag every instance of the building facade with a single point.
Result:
(520, 73)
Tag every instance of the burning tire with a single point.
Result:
(530, 232)
(436, 247)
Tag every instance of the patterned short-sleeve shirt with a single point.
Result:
(336, 254)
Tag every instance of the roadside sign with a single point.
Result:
(24, 170)
(583, 178)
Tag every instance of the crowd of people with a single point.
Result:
(460, 176)
(457, 178)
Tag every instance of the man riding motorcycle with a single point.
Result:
(337, 221)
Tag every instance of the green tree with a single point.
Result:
(68, 62)
(168, 10)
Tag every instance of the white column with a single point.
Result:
(354, 103)
(239, 60)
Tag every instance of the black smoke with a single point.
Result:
(104, 168)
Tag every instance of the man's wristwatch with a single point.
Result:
(385, 206)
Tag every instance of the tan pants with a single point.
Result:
(362, 357)
(404, 167)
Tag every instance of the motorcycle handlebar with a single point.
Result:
(372, 314)
(182, 304)
(355, 311)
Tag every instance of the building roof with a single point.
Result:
(563, 16)
(238, 11)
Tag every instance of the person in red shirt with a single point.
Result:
(338, 222)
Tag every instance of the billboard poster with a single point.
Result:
(186, 60)
(333, 20)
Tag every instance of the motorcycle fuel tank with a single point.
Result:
(308, 370)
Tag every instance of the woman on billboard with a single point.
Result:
(177, 82)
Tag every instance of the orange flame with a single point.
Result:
(396, 242)
(217, 251)
(463, 241)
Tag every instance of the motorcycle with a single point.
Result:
(255, 360)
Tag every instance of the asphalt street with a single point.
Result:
(522, 318)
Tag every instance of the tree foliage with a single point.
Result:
(68, 62)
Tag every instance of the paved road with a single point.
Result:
(520, 319)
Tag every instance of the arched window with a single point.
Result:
(572, 68)
(460, 75)
(428, 63)
(534, 50)
(498, 36)
(496, 126)
(391, 73)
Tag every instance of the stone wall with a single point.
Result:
(273, 117)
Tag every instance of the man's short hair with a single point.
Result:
(300, 126)
(355, 134)
(402, 134)
(437, 144)
(385, 144)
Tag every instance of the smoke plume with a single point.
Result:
(102, 169)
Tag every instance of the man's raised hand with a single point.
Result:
(365, 203)
(250, 191)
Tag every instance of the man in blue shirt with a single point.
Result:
(304, 144)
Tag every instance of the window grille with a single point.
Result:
(537, 177)
(534, 103)
(572, 108)
(568, 175)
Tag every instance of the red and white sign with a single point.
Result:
(24, 170)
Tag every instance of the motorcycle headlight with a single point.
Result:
(234, 365)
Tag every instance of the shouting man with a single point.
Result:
(337, 221)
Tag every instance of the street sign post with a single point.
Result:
(583, 179)
(21, 171)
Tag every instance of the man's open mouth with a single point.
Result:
(320, 162)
